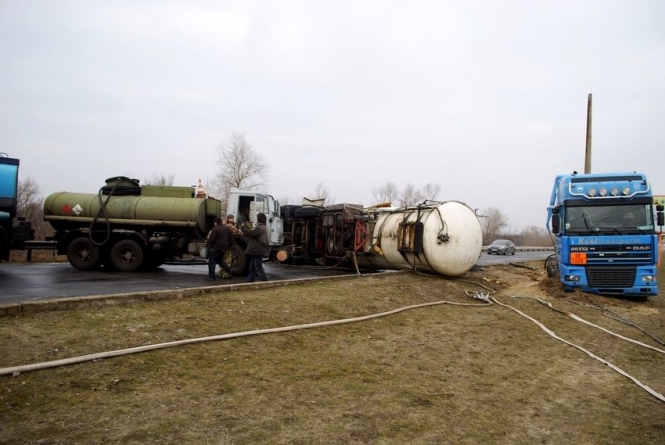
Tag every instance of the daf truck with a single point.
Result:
(605, 233)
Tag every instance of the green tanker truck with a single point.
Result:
(128, 227)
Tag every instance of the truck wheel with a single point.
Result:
(235, 258)
(127, 255)
(552, 267)
(307, 212)
(83, 254)
(288, 211)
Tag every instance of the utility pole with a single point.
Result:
(587, 155)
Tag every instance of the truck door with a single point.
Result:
(275, 223)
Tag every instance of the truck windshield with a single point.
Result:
(609, 219)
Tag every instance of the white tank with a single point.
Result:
(443, 239)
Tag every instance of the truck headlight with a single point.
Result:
(572, 278)
(648, 278)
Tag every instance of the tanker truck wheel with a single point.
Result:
(235, 258)
(83, 254)
(127, 255)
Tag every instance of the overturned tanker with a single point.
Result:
(437, 237)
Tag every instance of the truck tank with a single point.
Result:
(127, 226)
(65, 209)
(443, 239)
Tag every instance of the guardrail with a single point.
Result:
(29, 246)
(528, 249)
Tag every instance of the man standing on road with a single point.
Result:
(219, 241)
(257, 246)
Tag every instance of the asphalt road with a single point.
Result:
(520, 255)
(22, 282)
(41, 281)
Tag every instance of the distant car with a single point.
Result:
(501, 247)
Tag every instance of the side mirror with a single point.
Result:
(556, 221)
(660, 219)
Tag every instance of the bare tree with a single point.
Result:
(492, 222)
(285, 200)
(27, 193)
(431, 191)
(410, 196)
(239, 165)
(29, 206)
(322, 192)
(535, 236)
(387, 193)
(156, 179)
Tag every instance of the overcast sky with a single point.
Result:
(487, 99)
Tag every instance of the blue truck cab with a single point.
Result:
(14, 231)
(8, 192)
(605, 237)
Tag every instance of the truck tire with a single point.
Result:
(288, 211)
(83, 254)
(127, 255)
(308, 212)
(552, 266)
(236, 259)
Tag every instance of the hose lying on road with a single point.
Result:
(581, 320)
(487, 298)
(589, 353)
(101, 355)
(614, 316)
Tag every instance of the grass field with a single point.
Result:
(462, 372)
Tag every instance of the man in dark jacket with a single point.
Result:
(257, 246)
(219, 241)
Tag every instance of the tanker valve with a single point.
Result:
(442, 238)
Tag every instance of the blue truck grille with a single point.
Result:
(616, 254)
(616, 276)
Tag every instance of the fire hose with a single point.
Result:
(486, 297)
(101, 355)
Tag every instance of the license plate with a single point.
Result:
(578, 258)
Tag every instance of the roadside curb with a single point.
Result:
(16, 309)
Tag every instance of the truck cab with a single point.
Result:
(246, 205)
(14, 231)
(605, 233)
